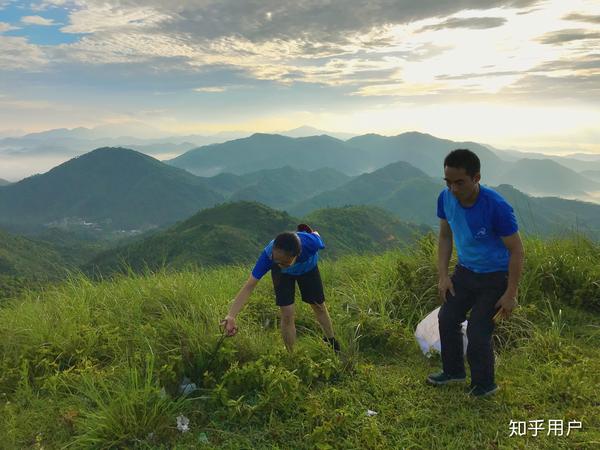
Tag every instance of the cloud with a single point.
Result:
(18, 54)
(4, 27)
(37, 20)
(105, 17)
(476, 23)
(562, 36)
(583, 18)
(211, 89)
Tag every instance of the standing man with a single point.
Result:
(490, 260)
(292, 258)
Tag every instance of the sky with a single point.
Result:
(519, 74)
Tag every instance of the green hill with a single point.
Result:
(278, 188)
(110, 187)
(370, 188)
(362, 229)
(4, 182)
(235, 233)
(29, 258)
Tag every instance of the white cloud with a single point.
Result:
(106, 17)
(18, 54)
(37, 20)
(4, 27)
(211, 89)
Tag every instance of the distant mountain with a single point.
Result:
(283, 187)
(547, 216)
(236, 233)
(544, 177)
(357, 155)
(423, 151)
(575, 161)
(585, 156)
(113, 187)
(4, 182)
(591, 174)
(270, 151)
(306, 131)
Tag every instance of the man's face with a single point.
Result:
(282, 259)
(462, 185)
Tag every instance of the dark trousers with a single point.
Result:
(477, 292)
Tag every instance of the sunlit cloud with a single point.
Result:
(37, 20)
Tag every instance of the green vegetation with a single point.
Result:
(98, 365)
(234, 233)
(26, 258)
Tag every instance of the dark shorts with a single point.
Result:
(311, 286)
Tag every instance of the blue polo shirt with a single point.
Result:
(478, 229)
(310, 244)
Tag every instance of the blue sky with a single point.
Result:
(511, 73)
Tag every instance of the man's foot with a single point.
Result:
(335, 345)
(480, 391)
(439, 379)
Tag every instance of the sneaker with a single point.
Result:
(480, 391)
(333, 343)
(439, 379)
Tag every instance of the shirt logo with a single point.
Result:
(482, 232)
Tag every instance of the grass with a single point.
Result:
(99, 364)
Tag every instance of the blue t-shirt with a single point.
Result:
(477, 229)
(310, 244)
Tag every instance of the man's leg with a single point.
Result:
(480, 350)
(284, 286)
(311, 288)
(452, 314)
(322, 316)
(288, 326)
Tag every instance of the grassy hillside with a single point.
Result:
(102, 366)
(237, 232)
(29, 258)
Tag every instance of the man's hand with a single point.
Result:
(229, 323)
(507, 303)
(445, 285)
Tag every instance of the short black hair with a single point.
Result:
(462, 158)
(287, 242)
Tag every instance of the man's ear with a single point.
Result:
(477, 177)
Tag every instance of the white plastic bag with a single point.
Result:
(428, 334)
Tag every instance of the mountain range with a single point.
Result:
(120, 189)
(538, 176)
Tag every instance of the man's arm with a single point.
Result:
(238, 303)
(508, 301)
(444, 254)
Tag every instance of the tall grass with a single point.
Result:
(99, 364)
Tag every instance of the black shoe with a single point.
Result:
(480, 391)
(439, 379)
(335, 345)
